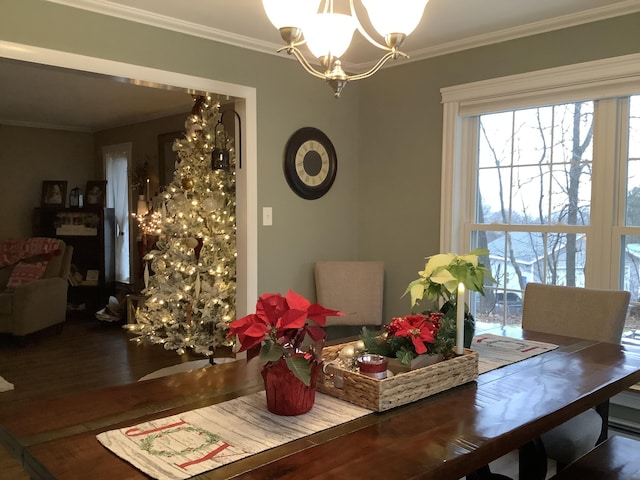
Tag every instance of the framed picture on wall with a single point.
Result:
(167, 158)
(96, 193)
(54, 193)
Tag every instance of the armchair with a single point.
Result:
(40, 303)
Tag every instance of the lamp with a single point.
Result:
(328, 34)
(221, 155)
(142, 207)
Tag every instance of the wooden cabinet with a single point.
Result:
(91, 232)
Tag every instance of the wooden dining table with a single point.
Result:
(444, 436)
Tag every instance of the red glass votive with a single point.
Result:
(373, 365)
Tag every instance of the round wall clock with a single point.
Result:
(310, 163)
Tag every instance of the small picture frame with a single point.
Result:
(95, 193)
(54, 193)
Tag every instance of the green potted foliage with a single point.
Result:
(438, 283)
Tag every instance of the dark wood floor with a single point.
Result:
(87, 354)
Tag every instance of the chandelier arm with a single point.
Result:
(362, 30)
(292, 50)
(378, 65)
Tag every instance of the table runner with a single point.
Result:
(194, 442)
(183, 445)
(495, 351)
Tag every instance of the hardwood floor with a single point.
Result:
(86, 355)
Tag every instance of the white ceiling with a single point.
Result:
(34, 95)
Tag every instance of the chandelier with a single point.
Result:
(328, 34)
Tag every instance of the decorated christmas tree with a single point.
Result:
(191, 289)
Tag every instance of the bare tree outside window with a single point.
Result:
(534, 191)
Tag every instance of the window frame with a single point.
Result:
(606, 82)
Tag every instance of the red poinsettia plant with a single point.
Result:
(407, 337)
(281, 325)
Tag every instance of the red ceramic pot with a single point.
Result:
(286, 394)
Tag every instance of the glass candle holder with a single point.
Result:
(373, 366)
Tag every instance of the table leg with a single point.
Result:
(532, 463)
(603, 411)
(485, 474)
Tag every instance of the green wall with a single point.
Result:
(387, 130)
(400, 133)
(27, 157)
(287, 99)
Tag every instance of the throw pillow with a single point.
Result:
(25, 273)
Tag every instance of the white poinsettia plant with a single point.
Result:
(443, 272)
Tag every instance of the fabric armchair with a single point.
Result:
(40, 303)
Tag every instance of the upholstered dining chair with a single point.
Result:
(575, 312)
(584, 313)
(355, 288)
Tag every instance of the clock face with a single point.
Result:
(310, 163)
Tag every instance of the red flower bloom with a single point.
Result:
(283, 319)
(417, 328)
(250, 330)
(281, 323)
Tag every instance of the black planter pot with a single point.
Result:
(449, 309)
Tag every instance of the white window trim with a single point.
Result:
(609, 78)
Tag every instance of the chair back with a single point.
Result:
(355, 288)
(575, 312)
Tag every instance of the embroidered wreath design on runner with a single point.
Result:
(207, 439)
(170, 440)
(507, 344)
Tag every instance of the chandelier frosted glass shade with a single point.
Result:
(396, 16)
(329, 34)
(341, 28)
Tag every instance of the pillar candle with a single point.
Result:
(460, 319)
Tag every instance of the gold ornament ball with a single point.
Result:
(347, 353)
(187, 183)
(191, 242)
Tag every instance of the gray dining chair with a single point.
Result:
(355, 288)
(583, 313)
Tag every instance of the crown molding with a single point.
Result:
(95, 128)
(46, 126)
(106, 7)
(124, 12)
(566, 21)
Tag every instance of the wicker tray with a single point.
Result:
(399, 389)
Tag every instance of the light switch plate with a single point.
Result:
(267, 216)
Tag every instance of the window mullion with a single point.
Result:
(602, 268)
(620, 228)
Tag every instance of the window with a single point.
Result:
(543, 169)
(630, 236)
(116, 164)
(532, 202)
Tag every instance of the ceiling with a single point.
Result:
(56, 98)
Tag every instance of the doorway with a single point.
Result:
(245, 102)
